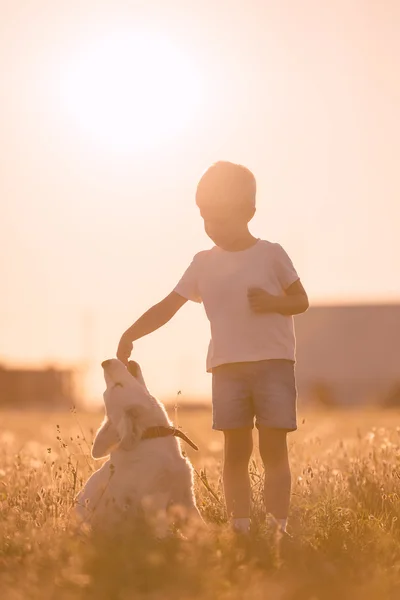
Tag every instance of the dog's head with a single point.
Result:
(116, 373)
(126, 400)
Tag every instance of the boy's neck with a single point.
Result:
(243, 242)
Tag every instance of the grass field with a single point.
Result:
(344, 518)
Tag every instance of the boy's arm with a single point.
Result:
(157, 316)
(294, 299)
(294, 302)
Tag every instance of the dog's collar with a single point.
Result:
(162, 431)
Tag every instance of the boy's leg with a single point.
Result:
(237, 452)
(274, 395)
(274, 454)
(233, 413)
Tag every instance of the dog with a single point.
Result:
(146, 476)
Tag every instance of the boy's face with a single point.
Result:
(225, 225)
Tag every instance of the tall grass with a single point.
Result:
(344, 521)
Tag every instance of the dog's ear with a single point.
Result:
(129, 428)
(105, 440)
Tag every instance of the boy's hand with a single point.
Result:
(124, 351)
(294, 302)
(261, 301)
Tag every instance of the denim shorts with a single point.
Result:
(264, 391)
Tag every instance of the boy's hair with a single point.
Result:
(226, 183)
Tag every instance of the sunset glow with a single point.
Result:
(112, 111)
(131, 89)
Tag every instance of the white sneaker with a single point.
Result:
(279, 524)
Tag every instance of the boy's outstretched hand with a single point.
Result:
(124, 350)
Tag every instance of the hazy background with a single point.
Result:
(98, 220)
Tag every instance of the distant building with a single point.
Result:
(47, 388)
(349, 354)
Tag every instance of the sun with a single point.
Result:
(132, 90)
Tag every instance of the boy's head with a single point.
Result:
(226, 197)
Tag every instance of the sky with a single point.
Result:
(109, 113)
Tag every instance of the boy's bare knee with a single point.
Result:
(273, 447)
(238, 446)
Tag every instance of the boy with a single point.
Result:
(250, 291)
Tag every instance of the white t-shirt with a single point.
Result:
(221, 279)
